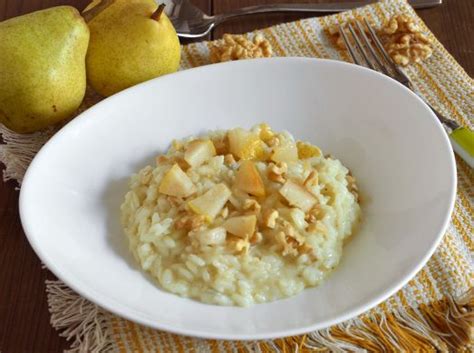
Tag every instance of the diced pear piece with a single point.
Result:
(211, 202)
(266, 132)
(245, 144)
(287, 152)
(214, 236)
(199, 151)
(297, 196)
(248, 179)
(307, 150)
(176, 183)
(241, 226)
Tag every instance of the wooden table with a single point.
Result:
(24, 316)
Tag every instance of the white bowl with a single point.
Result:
(398, 151)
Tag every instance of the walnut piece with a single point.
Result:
(318, 228)
(405, 41)
(221, 145)
(251, 205)
(276, 172)
(257, 237)
(402, 36)
(273, 141)
(313, 215)
(175, 201)
(161, 159)
(229, 159)
(145, 175)
(238, 245)
(238, 47)
(290, 241)
(312, 179)
(269, 218)
(189, 222)
(352, 186)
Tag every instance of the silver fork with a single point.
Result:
(190, 22)
(372, 54)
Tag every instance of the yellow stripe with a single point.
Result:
(155, 338)
(379, 11)
(133, 337)
(448, 73)
(459, 262)
(384, 307)
(414, 286)
(441, 263)
(145, 339)
(240, 346)
(177, 343)
(468, 171)
(439, 93)
(303, 45)
(465, 198)
(446, 56)
(308, 41)
(433, 266)
(319, 48)
(465, 206)
(403, 298)
(274, 42)
(459, 227)
(426, 281)
(214, 346)
(167, 340)
(117, 336)
(295, 44)
(227, 346)
(289, 46)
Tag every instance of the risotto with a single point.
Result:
(240, 217)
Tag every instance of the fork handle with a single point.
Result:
(462, 140)
(321, 7)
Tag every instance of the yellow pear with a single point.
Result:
(241, 226)
(131, 41)
(297, 196)
(211, 202)
(248, 179)
(42, 67)
(176, 183)
(198, 152)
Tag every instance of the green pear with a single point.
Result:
(42, 68)
(131, 41)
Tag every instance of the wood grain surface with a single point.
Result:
(24, 316)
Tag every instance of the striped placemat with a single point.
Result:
(433, 312)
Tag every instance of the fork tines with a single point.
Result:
(369, 52)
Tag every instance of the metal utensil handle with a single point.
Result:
(321, 7)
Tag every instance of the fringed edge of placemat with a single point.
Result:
(77, 319)
(442, 326)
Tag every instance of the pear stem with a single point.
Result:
(157, 14)
(90, 14)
